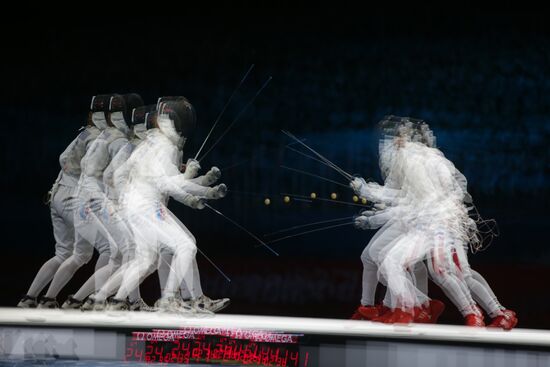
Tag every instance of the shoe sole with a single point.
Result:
(19, 305)
(221, 308)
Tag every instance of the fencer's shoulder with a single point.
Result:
(88, 132)
(440, 159)
(436, 152)
(162, 140)
(131, 145)
(84, 134)
(152, 134)
(103, 134)
(414, 145)
(155, 143)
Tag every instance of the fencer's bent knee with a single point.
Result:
(366, 257)
(60, 258)
(62, 253)
(439, 276)
(116, 261)
(189, 248)
(83, 255)
(193, 250)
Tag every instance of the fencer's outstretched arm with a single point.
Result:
(178, 184)
(132, 171)
(192, 168)
(370, 219)
(175, 184)
(209, 178)
(375, 192)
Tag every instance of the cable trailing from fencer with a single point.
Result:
(236, 119)
(307, 225)
(325, 160)
(207, 258)
(262, 243)
(311, 231)
(223, 110)
(314, 175)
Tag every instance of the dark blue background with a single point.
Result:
(482, 82)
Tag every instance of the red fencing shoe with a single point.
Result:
(507, 320)
(385, 317)
(368, 312)
(422, 315)
(382, 312)
(401, 317)
(436, 309)
(474, 320)
(382, 309)
(356, 315)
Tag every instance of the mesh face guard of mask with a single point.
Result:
(139, 120)
(117, 109)
(99, 106)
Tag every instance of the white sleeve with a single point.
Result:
(379, 194)
(382, 217)
(213, 175)
(171, 181)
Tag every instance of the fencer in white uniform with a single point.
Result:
(462, 238)
(111, 224)
(91, 214)
(439, 230)
(62, 205)
(435, 221)
(421, 208)
(143, 117)
(192, 294)
(448, 263)
(154, 176)
(387, 217)
(116, 184)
